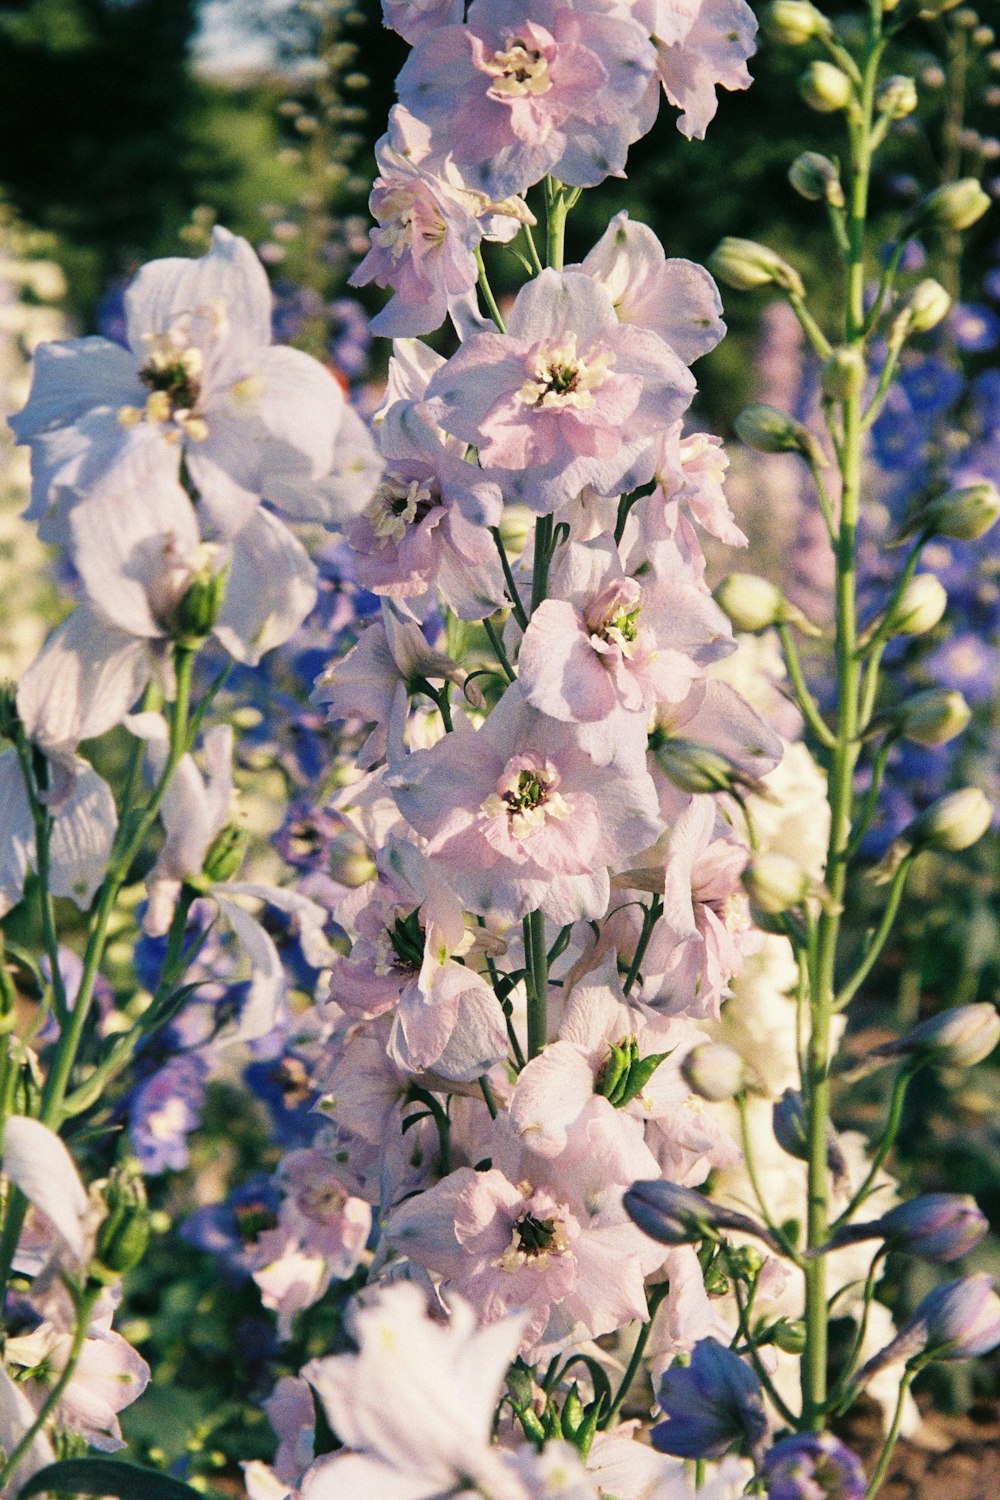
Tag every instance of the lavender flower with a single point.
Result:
(713, 1405)
(813, 1466)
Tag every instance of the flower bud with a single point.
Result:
(124, 1233)
(198, 609)
(692, 767)
(931, 8)
(775, 883)
(955, 206)
(772, 431)
(962, 515)
(962, 1318)
(750, 602)
(938, 1226)
(919, 607)
(842, 374)
(957, 1038)
(952, 823)
(817, 178)
(744, 265)
(714, 1071)
(791, 1131)
(745, 1262)
(795, 22)
(350, 861)
(680, 1216)
(897, 97)
(225, 854)
(927, 304)
(787, 1334)
(933, 717)
(826, 88)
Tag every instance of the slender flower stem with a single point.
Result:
(487, 291)
(654, 1297)
(807, 703)
(537, 963)
(650, 916)
(517, 608)
(893, 1120)
(845, 751)
(493, 636)
(556, 209)
(751, 1166)
(885, 1457)
(41, 819)
(880, 938)
(543, 556)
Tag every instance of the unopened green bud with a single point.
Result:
(962, 515)
(952, 823)
(775, 882)
(957, 1038)
(350, 862)
(897, 97)
(692, 767)
(225, 854)
(795, 22)
(919, 607)
(750, 602)
(826, 88)
(745, 1262)
(933, 717)
(817, 178)
(956, 206)
(744, 265)
(714, 1071)
(124, 1233)
(927, 304)
(772, 431)
(787, 1334)
(843, 373)
(198, 610)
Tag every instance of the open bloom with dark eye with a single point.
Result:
(521, 91)
(249, 420)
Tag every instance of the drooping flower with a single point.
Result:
(713, 1405)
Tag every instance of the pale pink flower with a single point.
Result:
(84, 820)
(291, 1413)
(427, 525)
(414, 19)
(521, 91)
(569, 397)
(675, 298)
(519, 817)
(700, 44)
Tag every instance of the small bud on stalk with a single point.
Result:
(795, 22)
(816, 178)
(952, 823)
(124, 1234)
(957, 1038)
(939, 1227)
(744, 265)
(897, 97)
(695, 768)
(775, 882)
(680, 1216)
(772, 431)
(927, 304)
(962, 515)
(959, 1320)
(930, 718)
(955, 206)
(843, 374)
(826, 88)
(226, 853)
(791, 1131)
(715, 1071)
(919, 607)
(751, 603)
(787, 1334)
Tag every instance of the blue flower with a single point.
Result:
(712, 1405)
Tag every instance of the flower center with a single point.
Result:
(534, 1241)
(409, 222)
(526, 792)
(518, 70)
(614, 614)
(321, 1200)
(398, 505)
(559, 378)
(172, 375)
(252, 1219)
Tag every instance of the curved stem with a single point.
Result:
(893, 1120)
(879, 939)
(517, 608)
(885, 1457)
(807, 703)
(654, 1297)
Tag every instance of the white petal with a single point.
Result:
(38, 1162)
(270, 590)
(262, 1010)
(83, 681)
(70, 378)
(16, 1415)
(83, 832)
(17, 834)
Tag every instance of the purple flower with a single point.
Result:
(976, 328)
(164, 1111)
(524, 90)
(712, 1405)
(958, 1320)
(813, 1466)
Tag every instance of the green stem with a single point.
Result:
(751, 1166)
(487, 291)
(859, 1335)
(556, 209)
(879, 940)
(543, 556)
(42, 821)
(493, 636)
(650, 916)
(867, 810)
(537, 964)
(517, 608)
(893, 1120)
(654, 1297)
(807, 703)
(843, 758)
(885, 1457)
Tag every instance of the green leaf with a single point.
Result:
(106, 1476)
